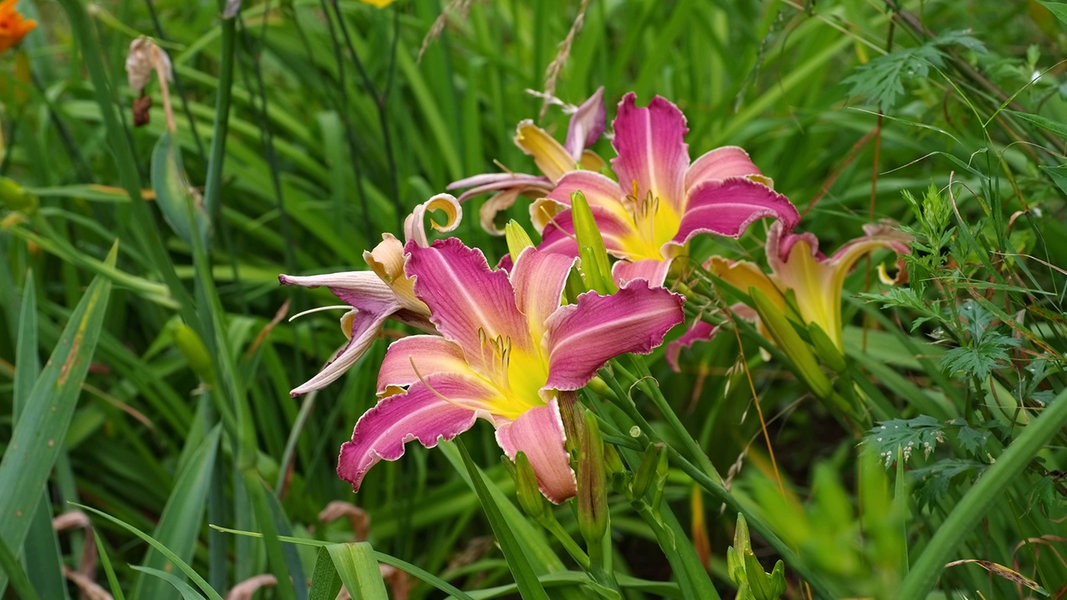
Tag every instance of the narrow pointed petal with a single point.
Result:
(651, 270)
(538, 278)
(650, 143)
(467, 299)
(720, 163)
(491, 182)
(539, 434)
(362, 289)
(582, 337)
(587, 124)
(744, 275)
(383, 430)
(413, 358)
(387, 260)
(729, 206)
(362, 330)
(549, 155)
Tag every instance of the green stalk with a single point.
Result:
(989, 489)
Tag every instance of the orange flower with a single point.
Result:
(12, 25)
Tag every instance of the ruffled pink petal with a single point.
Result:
(469, 302)
(602, 193)
(729, 206)
(558, 235)
(538, 278)
(701, 331)
(420, 414)
(720, 163)
(364, 329)
(651, 270)
(582, 337)
(538, 433)
(651, 148)
(410, 359)
(587, 124)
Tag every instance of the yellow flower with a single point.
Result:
(378, 3)
(12, 25)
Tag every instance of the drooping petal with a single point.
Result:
(549, 155)
(415, 223)
(387, 260)
(538, 278)
(701, 331)
(538, 433)
(650, 143)
(412, 358)
(468, 301)
(720, 163)
(744, 275)
(729, 206)
(362, 289)
(583, 336)
(383, 430)
(362, 328)
(491, 182)
(587, 124)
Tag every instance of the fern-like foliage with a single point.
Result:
(882, 79)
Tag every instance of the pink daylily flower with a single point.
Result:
(798, 270)
(660, 200)
(552, 158)
(385, 292)
(506, 347)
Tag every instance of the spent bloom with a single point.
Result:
(385, 292)
(552, 158)
(660, 199)
(802, 276)
(13, 26)
(506, 348)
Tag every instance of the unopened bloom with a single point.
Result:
(800, 275)
(506, 348)
(660, 200)
(13, 26)
(552, 158)
(385, 292)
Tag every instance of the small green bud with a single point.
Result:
(595, 266)
(531, 500)
(14, 197)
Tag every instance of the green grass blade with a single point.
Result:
(179, 525)
(37, 438)
(186, 590)
(10, 567)
(177, 562)
(325, 582)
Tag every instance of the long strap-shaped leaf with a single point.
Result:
(43, 422)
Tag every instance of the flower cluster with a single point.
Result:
(502, 344)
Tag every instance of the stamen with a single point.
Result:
(319, 309)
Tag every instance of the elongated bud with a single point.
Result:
(518, 239)
(790, 342)
(531, 500)
(592, 498)
(595, 267)
(829, 353)
(194, 351)
(647, 477)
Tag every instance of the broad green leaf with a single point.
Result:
(358, 569)
(38, 436)
(325, 582)
(10, 566)
(1056, 8)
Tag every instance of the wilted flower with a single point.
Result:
(13, 26)
(384, 292)
(552, 158)
(507, 348)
